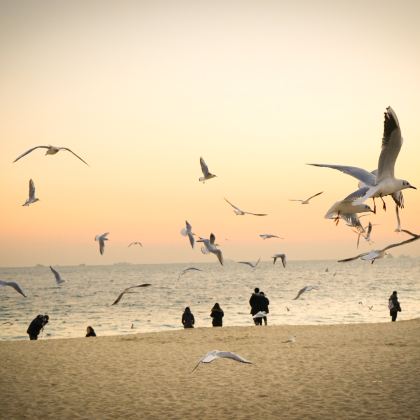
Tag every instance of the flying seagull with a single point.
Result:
(57, 276)
(283, 259)
(307, 200)
(12, 284)
(252, 265)
(101, 239)
(269, 236)
(217, 354)
(210, 246)
(305, 289)
(368, 230)
(206, 173)
(51, 150)
(380, 253)
(31, 199)
(188, 269)
(127, 291)
(240, 212)
(136, 243)
(187, 231)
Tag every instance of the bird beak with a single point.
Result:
(413, 187)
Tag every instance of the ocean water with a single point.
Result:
(88, 292)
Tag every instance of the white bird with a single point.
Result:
(127, 290)
(57, 276)
(135, 243)
(186, 270)
(269, 236)
(368, 230)
(260, 314)
(380, 253)
(283, 259)
(210, 246)
(205, 170)
(305, 289)
(307, 200)
(217, 354)
(291, 339)
(12, 284)
(187, 231)
(101, 239)
(31, 199)
(51, 150)
(252, 265)
(240, 212)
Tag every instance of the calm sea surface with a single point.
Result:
(88, 292)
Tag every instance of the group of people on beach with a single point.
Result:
(259, 309)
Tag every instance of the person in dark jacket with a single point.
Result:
(217, 314)
(188, 318)
(90, 332)
(36, 326)
(255, 302)
(264, 305)
(394, 306)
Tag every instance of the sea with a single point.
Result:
(353, 292)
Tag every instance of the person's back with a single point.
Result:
(188, 318)
(217, 314)
(254, 301)
(36, 326)
(394, 306)
(90, 332)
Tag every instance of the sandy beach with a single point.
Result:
(337, 371)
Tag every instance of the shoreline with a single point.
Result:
(334, 371)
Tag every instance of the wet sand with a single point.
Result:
(331, 371)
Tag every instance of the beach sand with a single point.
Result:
(332, 371)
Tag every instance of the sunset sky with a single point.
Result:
(141, 90)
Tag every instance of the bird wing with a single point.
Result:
(353, 258)
(398, 199)
(358, 194)
(219, 255)
(188, 226)
(204, 167)
(247, 263)
(274, 259)
(258, 261)
(236, 208)
(315, 195)
(352, 219)
(31, 189)
(303, 290)
(283, 259)
(296, 200)
(255, 214)
(119, 297)
(29, 151)
(391, 145)
(212, 238)
(14, 285)
(127, 289)
(407, 241)
(191, 238)
(361, 174)
(101, 245)
(56, 275)
(71, 151)
(233, 356)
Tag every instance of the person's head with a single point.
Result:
(262, 294)
(256, 290)
(89, 330)
(216, 307)
(394, 293)
(45, 319)
(187, 310)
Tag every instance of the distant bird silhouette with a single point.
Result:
(51, 150)
(186, 270)
(305, 289)
(269, 236)
(252, 265)
(57, 276)
(210, 246)
(135, 243)
(127, 290)
(307, 200)
(187, 231)
(206, 173)
(240, 212)
(31, 199)
(283, 259)
(101, 239)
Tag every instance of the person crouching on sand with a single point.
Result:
(188, 318)
(90, 332)
(217, 314)
(394, 306)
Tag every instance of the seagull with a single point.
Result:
(291, 339)
(269, 236)
(127, 291)
(250, 263)
(240, 212)
(136, 243)
(102, 238)
(187, 231)
(188, 269)
(370, 307)
(307, 200)
(283, 259)
(217, 354)
(205, 170)
(305, 289)
(210, 246)
(380, 253)
(260, 314)
(31, 199)
(57, 276)
(14, 285)
(367, 236)
(51, 150)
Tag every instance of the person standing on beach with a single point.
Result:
(36, 326)
(255, 302)
(90, 332)
(394, 306)
(217, 315)
(188, 318)
(264, 306)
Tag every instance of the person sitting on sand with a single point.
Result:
(188, 318)
(36, 326)
(90, 332)
(394, 306)
(217, 314)
(264, 302)
(255, 302)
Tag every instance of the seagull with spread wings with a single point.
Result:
(206, 173)
(12, 284)
(58, 278)
(252, 265)
(310, 198)
(51, 150)
(282, 257)
(101, 239)
(187, 231)
(186, 270)
(305, 289)
(211, 247)
(31, 199)
(127, 290)
(240, 212)
(269, 236)
(217, 354)
(135, 243)
(380, 253)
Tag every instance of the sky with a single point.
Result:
(141, 90)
